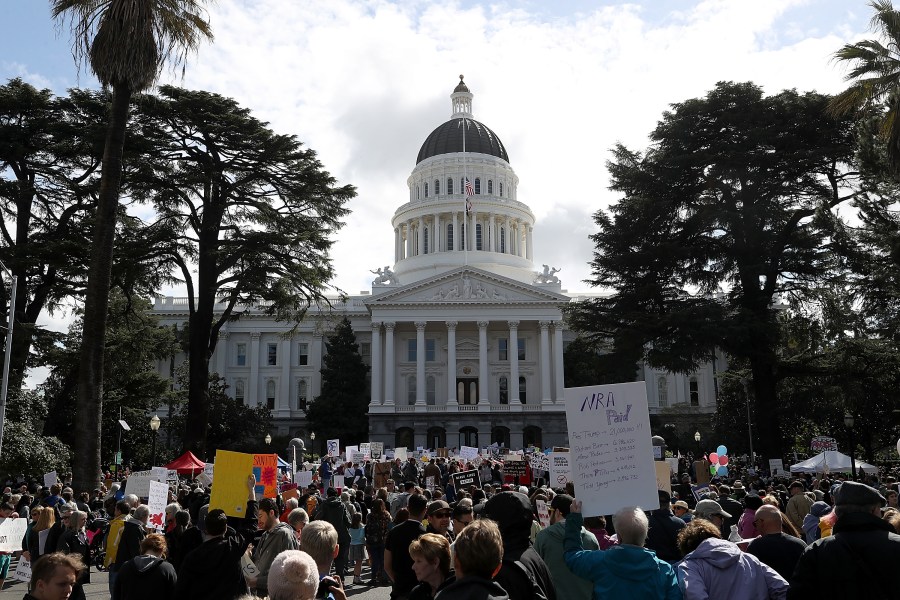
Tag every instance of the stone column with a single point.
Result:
(483, 384)
(252, 389)
(451, 361)
(514, 362)
(420, 363)
(471, 234)
(492, 227)
(283, 403)
(389, 358)
(316, 359)
(436, 235)
(397, 252)
(507, 237)
(545, 363)
(529, 237)
(221, 352)
(376, 364)
(420, 235)
(409, 239)
(455, 231)
(558, 361)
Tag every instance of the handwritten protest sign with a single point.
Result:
(543, 513)
(560, 469)
(349, 451)
(303, 478)
(11, 533)
(400, 453)
(158, 496)
(171, 477)
(138, 483)
(23, 570)
(333, 447)
(159, 474)
(663, 476)
(776, 466)
(366, 449)
(540, 461)
(50, 479)
(611, 453)
(468, 452)
(265, 468)
(230, 491)
(376, 450)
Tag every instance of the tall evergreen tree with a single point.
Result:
(341, 409)
(721, 217)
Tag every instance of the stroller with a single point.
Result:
(96, 531)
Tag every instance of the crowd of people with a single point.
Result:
(745, 538)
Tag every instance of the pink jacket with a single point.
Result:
(745, 525)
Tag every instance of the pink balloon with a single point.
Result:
(723, 460)
(713, 457)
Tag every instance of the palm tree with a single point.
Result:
(875, 76)
(125, 43)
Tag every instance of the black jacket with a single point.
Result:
(130, 543)
(857, 562)
(472, 588)
(146, 578)
(213, 570)
(71, 543)
(662, 537)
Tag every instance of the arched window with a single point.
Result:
(417, 192)
(500, 436)
(501, 188)
(430, 390)
(239, 391)
(478, 243)
(270, 395)
(532, 436)
(662, 390)
(449, 237)
(404, 438)
(411, 390)
(426, 190)
(490, 186)
(449, 185)
(437, 187)
(694, 391)
(468, 436)
(437, 437)
(503, 240)
(522, 387)
(504, 390)
(425, 233)
(477, 185)
(302, 388)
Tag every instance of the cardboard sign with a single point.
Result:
(464, 479)
(50, 479)
(333, 447)
(23, 570)
(543, 513)
(663, 476)
(610, 447)
(291, 493)
(159, 495)
(209, 470)
(376, 450)
(560, 469)
(171, 477)
(701, 471)
(400, 453)
(673, 465)
(138, 483)
(357, 458)
(158, 474)
(265, 468)
(230, 491)
(366, 449)
(11, 533)
(382, 472)
(303, 478)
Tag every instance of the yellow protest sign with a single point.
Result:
(229, 490)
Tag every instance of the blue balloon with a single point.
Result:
(721, 450)
(723, 471)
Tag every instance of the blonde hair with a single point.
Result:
(45, 519)
(319, 539)
(433, 548)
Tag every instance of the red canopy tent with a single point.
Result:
(187, 464)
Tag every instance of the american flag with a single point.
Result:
(470, 191)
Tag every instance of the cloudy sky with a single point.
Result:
(364, 82)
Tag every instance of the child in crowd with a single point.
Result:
(357, 546)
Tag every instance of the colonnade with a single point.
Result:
(428, 234)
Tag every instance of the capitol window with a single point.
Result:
(502, 349)
(429, 350)
(239, 391)
(450, 237)
(662, 389)
(426, 190)
(501, 188)
(411, 350)
(270, 395)
(504, 390)
(694, 390)
(411, 390)
(425, 241)
(503, 240)
(430, 390)
(241, 357)
(449, 185)
(522, 388)
(302, 387)
(437, 187)
(272, 354)
(478, 243)
(490, 186)
(477, 185)
(302, 354)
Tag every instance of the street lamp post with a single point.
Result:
(154, 427)
(744, 382)
(848, 421)
(267, 439)
(4, 388)
(312, 446)
(697, 439)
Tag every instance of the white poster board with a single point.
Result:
(333, 447)
(357, 458)
(776, 466)
(158, 496)
(138, 483)
(11, 533)
(172, 477)
(159, 474)
(50, 479)
(23, 570)
(349, 451)
(366, 449)
(468, 452)
(303, 478)
(610, 448)
(540, 462)
(376, 450)
(400, 453)
(560, 469)
(673, 465)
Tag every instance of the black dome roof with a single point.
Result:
(448, 138)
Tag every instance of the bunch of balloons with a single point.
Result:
(718, 461)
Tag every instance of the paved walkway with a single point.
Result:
(98, 589)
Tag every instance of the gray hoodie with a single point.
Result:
(271, 544)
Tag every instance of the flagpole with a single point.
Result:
(465, 197)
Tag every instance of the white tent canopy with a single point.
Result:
(831, 461)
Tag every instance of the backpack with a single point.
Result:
(517, 566)
(375, 532)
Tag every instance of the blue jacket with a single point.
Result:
(626, 572)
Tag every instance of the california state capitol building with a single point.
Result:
(463, 331)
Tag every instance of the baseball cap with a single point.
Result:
(708, 508)
(437, 506)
